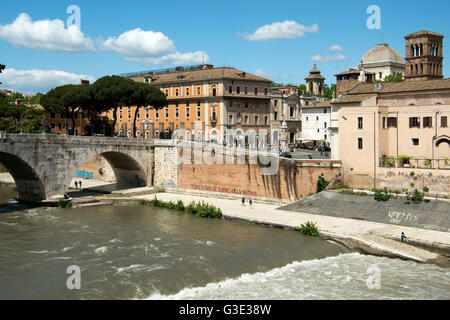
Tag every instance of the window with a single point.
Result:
(246, 105)
(317, 118)
(187, 111)
(238, 90)
(266, 106)
(325, 125)
(256, 106)
(360, 143)
(138, 116)
(147, 113)
(384, 122)
(177, 113)
(157, 114)
(245, 90)
(230, 89)
(325, 137)
(120, 113)
(414, 122)
(256, 120)
(230, 104)
(291, 111)
(53, 125)
(444, 122)
(129, 113)
(187, 91)
(256, 91)
(230, 119)
(176, 92)
(265, 91)
(198, 91)
(427, 122)
(266, 120)
(275, 116)
(415, 142)
(167, 112)
(324, 110)
(199, 112)
(276, 103)
(53, 115)
(392, 122)
(214, 91)
(360, 122)
(167, 93)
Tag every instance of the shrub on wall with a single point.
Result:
(321, 183)
(382, 194)
(309, 229)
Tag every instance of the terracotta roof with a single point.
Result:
(208, 74)
(423, 33)
(323, 104)
(352, 71)
(401, 87)
(352, 98)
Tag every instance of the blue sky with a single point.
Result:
(183, 30)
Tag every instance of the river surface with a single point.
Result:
(139, 252)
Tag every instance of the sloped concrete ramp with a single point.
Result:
(434, 215)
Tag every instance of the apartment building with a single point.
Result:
(203, 101)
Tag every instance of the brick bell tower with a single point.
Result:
(424, 56)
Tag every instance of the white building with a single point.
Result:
(316, 121)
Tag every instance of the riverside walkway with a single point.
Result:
(371, 237)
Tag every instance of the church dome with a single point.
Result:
(382, 53)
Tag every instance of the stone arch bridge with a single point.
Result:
(44, 165)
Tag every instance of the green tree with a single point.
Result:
(398, 77)
(302, 89)
(14, 119)
(2, 67)
(67, 99)
(146, 95)
(329, 91)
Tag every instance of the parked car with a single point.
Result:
(286, 155)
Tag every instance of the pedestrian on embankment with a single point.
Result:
(79, 182)
(243, 201)
(403, 237)
(76, 185)
(250, 202)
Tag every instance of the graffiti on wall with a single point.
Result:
(398, 217)
(85, 175)
(204, 187)
(168, 184)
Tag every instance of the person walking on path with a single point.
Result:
(243, 201)
(79, 182)
(327, 155)
(403, 237)
(250, 202)
(76, 185)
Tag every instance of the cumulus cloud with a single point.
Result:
(262, 73)
(328, 58)
(45, 35)
(335, 48)
(151, 48)
(288, 29)
(32, 81)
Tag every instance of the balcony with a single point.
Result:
(415, 163)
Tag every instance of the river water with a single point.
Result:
(139, 252)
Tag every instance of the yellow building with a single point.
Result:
(204, 101)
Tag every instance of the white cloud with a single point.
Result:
(45, 35)
(32, 81)
(288, 29)
(335, 48)
(151, 48)
(328, 58)
(262, 73)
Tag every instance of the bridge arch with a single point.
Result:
(29, 185)
(128, 172)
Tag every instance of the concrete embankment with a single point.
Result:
(364, 236)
